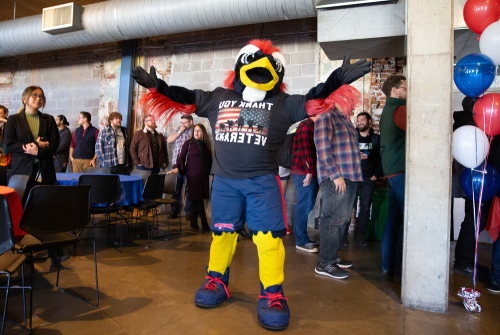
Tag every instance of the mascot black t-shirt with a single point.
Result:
(246, 134)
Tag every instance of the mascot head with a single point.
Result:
(258, 72)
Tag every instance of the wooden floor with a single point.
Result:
(151, 291)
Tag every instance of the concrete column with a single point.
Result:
(428, 155)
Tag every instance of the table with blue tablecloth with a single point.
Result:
(130, 187)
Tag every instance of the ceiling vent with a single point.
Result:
(62, 19)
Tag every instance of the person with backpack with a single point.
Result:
(303, 172)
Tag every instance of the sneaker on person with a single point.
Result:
(308, 247)
(362, 241)
(481, 273)
(314, 242)
(331, 270)
(493, 286)
(343, 263)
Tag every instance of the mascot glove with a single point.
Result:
(147, 80)
(352, 72)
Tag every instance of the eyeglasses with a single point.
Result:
(402, 87)
(197, 130)
(35, 96)
(185, 123)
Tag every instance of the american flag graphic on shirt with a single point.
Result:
(246, 120)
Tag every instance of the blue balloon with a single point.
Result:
(474, 74)
(472, 179)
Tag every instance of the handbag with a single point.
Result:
(187, 155)
(185, 160)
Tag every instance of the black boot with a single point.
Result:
(194, 221)
(345, 239)
(204, 223)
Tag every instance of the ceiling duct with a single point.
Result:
(119, 20)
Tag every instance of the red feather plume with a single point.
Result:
(162, 108)
(266, 46)
(228, 82)
(345, 99)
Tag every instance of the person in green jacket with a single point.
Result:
(392, 154)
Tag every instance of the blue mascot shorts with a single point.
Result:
(258, 201)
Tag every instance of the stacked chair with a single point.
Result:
(54, 218)
(11, 262)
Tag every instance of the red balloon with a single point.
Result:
(487, 114)
(479, 14)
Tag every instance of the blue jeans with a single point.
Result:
(306, 198)
(495, 262)
(177, 196)
(392, 238)
(336, 214)
(366, 188)
(153, 170)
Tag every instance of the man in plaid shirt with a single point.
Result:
(339, 170)
(181, 135)
(112, 146)
(303, 172)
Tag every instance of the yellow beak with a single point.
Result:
(264, 63)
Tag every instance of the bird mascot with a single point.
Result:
(249, 120)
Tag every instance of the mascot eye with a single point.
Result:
(277, 65)
(247, 58)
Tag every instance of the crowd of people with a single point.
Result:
(328, 152)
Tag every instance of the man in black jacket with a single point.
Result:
(61, 156)
(369, 147)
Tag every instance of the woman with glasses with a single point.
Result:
(195, 161)
(32, 137)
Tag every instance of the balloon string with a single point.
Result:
(478, 223)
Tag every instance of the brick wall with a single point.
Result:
(82, 79)
(382, 68)
(370, 86)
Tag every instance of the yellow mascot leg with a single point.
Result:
(271, 258)
(222, 251)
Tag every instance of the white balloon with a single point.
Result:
(489, 43)
(470, 146)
